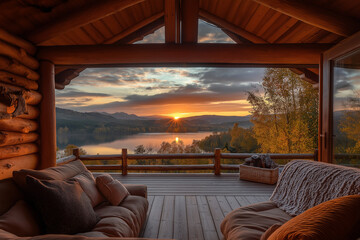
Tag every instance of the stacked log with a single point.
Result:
(19, 105)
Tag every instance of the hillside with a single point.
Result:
(69, 121)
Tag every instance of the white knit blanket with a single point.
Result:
(304, 184)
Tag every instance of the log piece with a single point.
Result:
(18, 125)
(7, 166)
(19, 42)
(18, 80)
(13, 138)
(13, 66)
(31, 97)
(15, 101)
(18, 54)
(18, 150)
(32, 111)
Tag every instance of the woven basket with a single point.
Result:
(261, 175)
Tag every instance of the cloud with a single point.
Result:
(209, 33)
(79, 94)
(231, 75)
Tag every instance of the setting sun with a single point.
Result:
(176, 118)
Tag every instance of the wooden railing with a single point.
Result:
(124, 167)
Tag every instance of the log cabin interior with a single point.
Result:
(45, 44)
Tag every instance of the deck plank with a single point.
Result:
(195, 230)
(167, 218)
(234, 204)
(180, 220)
(209, 229)
(153, 222)
(217, 214)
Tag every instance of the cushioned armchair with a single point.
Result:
(19, 218)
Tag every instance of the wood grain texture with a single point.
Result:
(13, 138)
(259, 54)
(18, 150)
(18, 80)
(18, 125)
(92, 12)
(316, 16)
(7, 166)
(47, 115)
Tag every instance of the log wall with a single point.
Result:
(19, 105)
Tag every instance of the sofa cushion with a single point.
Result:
(4, 235)
(63, 205)
(331, 220)
(87, 183)
(124, 220)
(20, 220)
(252, 221)
(112, 189)
(73, 170)
(304, 184)
(10, 194)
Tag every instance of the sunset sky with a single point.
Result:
(164, 91)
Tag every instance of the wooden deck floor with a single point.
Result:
(192, 206)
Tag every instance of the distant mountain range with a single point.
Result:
(69, 121)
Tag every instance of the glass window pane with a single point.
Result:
(346, 123)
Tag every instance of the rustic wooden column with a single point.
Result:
(124, 162)
(47, 115)
(217, 165)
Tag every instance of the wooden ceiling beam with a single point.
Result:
(64, 77)
(231, 27)
(89, 13)
(306, 75)
(189, 21)
(171, 16)
(134, 28)
(152, 54)
(315, 15)
(247, 37)
(142, 32)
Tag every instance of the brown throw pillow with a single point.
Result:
(63, 205)
(332, 220)
(113, 190)
(20, 220)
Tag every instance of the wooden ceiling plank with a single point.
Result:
(171, 11)
(229, 26)
(189, 17)
(88, 14)
(315, 16)
(251, 54)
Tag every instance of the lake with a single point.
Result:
(100, 144)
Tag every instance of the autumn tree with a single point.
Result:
(349, 124)
(243, 140)
(285, 115)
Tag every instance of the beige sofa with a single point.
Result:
(302, 185)
(125, 220)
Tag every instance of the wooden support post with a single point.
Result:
(217, 159)
(47, 115)
(76, 153)
(124, 162)
(189, 18)
(170, 21)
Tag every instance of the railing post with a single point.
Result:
(76, 153)
(217, 161)
(124, 161)
(316, 155)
